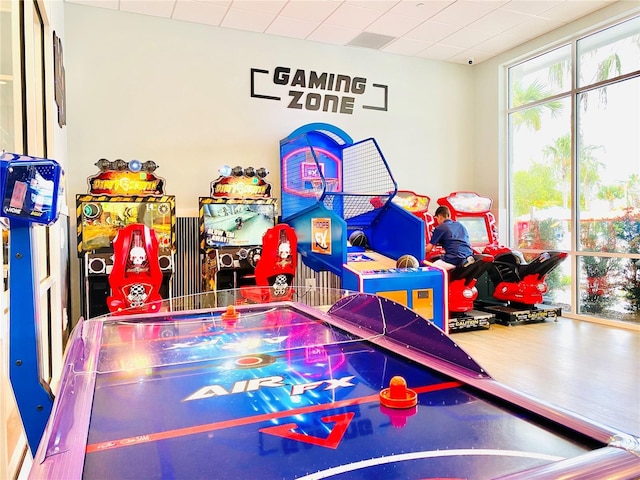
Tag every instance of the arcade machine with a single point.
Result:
(512, 289)
(32, 194)
(462, 280)
(332, 188)
(121, 194)
(233, 220)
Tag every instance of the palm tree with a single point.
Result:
(532, 117)
(560, 155)
(610, 193)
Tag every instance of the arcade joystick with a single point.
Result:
(230, 317)
(398, 395)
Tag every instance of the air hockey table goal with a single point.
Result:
(349, 386)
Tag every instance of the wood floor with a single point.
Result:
(590, 369)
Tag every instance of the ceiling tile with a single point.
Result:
(568, 11)
(432, 31)
(440, 52)
(313, 10)
(534, 27)
(261, 6)
(291, 27)
(530, 7)
(351, 16)
(380, 5)
(199, 12)
(440, 29)
(466, 38)
(499, 20)
(394, 25)
(246, 20)
(333, 35)
(422, 10)
(462, 12)
(405, 46)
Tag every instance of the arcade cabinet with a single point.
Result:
(233, 221)
(333, 187)
(32, 192)
(461, 314)
(512, 289)
(121, 194)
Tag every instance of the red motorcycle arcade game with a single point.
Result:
(233, 220)
(121, 194)
(512, 288)
(462, 291)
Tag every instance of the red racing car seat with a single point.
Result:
(136, 276)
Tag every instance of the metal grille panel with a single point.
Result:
(187, 272)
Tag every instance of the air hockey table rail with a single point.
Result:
(216, 386)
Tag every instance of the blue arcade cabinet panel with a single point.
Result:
(420, 289)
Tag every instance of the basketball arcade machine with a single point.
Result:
(462, 280)
(32, 193)
(121, 194)
(333, 187)
(512, 289)
(233, 221)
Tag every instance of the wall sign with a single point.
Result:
(318, 91)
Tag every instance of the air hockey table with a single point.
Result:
(285, 390)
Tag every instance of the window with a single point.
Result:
(574, 166)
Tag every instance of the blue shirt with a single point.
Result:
(454, 238)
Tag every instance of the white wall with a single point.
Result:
(178, 93)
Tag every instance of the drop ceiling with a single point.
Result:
(450, 30)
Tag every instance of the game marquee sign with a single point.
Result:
(318, 91)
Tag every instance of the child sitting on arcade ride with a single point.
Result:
(454, 239)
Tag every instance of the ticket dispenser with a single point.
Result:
(136, 277)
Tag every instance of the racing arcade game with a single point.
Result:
(233, 221)
(512, 289)
(121, 194)
(462, 280)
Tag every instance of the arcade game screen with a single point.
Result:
(101, 221)
(477, 229)
(234, 224)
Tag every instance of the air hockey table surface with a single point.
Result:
(286, 390)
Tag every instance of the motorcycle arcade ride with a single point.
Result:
(462, 280)
(511, 289)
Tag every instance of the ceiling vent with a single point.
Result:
(371, 40)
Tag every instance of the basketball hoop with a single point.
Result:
(317, 185)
